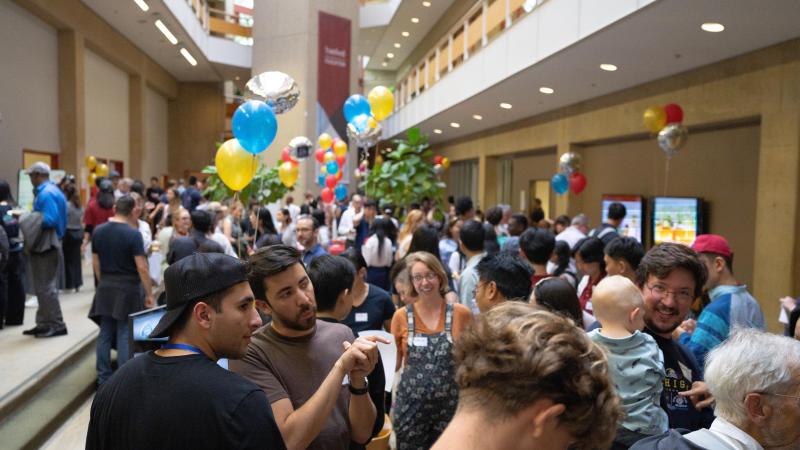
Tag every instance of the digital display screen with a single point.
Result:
(633, 223)
(676, 219)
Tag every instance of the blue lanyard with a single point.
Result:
(186, 347)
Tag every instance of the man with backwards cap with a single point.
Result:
(177, 396)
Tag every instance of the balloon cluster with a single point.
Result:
(332, 156)
(569, 176)
(364, 114)
(95, 170)
(666, 122)
(440, 164)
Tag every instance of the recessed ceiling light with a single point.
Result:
(188, 57)
(546, 90)
(405, 33)
(142, 5)
(426, 4)
(396, 45)
(712, 27)
(384, 64)
(505, 105)
(165, 31)
(414, 20)
(390, 55)
(455, 124)
(608, 67)
(477, 117)
(437, 131)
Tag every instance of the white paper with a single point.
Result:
(783, 317)
(388, 354)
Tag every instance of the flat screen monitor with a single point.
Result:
(633, 224)
(677, 219)
(141, 324)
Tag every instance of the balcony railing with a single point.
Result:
(484, 22)
(236, 27)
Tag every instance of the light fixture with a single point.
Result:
(437, 131)
(390, 55)
(188, 56)
(505, 105)
(426, 4)
(384, 64)
(608, 67)
(546, 90)
(477, 117)
(405, 33)
(455, 124)
(165, 31)
(142, 5)
(414, 20)
(396, 45)
(712, 27)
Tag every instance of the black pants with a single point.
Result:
(12, 291)
(73, 275)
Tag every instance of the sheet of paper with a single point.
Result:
(388, 354)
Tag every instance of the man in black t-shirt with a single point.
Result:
(372, 306)
(607, 231)
(178, 397)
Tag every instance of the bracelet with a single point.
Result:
(359, 391)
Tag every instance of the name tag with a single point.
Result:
(362, 317)
(420, 341)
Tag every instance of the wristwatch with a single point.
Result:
(359, 391)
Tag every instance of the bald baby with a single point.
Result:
(619, 306)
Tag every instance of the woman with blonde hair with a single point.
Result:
(414, 220)
(424, 331)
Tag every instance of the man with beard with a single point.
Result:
(317, 391)
(671, 276)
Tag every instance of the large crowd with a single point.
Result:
(511, 330)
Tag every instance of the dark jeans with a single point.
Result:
(12, 290)
(110, 330)
(45, 285)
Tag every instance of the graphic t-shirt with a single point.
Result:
(372, 313)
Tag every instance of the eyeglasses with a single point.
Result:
(430, 276)
(660, 291)
(777, 395)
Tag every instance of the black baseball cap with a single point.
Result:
(194, 277)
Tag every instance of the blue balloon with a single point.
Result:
(332, 167)
(321, 180)
(361, 122)
(356, 105)
(254, 126)
(560, 183)
(341, 192)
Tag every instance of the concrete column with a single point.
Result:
(136, 121)
(71, 102)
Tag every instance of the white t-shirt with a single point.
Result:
(370, 252)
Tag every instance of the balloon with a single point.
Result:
(300, 147)
(101, 170)
(327, 195)
(438, 169)
(255, 126)
(341, 192)
(654, 119)
(446, 163)
(339, 175)
(361, 122)
(366, 138)
(91, 163)
(321, 180)
(285, 156)
(332, 167)
(235, 166)
(672, 138)
(320, 155)
(569, 162)
(331, 181)
(437, 159)
(577, 182)
(288, 173)
(324, 169)
(364, 165)
(355, 105)
(277, 89)
(325, 141)
(328, 157)
(381, 102)
(91, 179)
(294, 162)
(674, 113)
(559, 183)
(340, 148)
(372, 123)
(340, 160)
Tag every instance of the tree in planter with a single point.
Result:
(265, 187)
(406, 174)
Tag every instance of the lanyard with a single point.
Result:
(186, 347)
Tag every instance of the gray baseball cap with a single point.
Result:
(38, 167)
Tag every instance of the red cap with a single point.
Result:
(712, 243)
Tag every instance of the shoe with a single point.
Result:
(35, 330)
(50, 332)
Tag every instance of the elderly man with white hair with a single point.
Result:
(755, 379)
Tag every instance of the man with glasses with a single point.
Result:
(671, 276)
(755, 379)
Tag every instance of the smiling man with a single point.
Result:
(313, 372)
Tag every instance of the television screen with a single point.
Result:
(676, 219)
(633, 224)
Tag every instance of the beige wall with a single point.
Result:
(154, 159)
(535, 166)
(196, 122)
(107, 114)
(28, 88)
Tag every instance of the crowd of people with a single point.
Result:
(511, 330)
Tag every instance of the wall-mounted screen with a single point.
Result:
(633, 224)
(677, 219)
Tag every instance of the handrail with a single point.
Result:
(483, 22)
(236, 27)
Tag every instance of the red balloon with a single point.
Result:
(294, 162)
(339, 175)
(330, 181)
(285, 156)
(577, 182)
(327, 194)
(320, 155)
(437, 159)
(340, 161)
(674, 113)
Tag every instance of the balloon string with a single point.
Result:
(258, 210)
(239, 239)
(666, 174)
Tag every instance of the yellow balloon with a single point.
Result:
(445, 163)
(91, 162)
(325, 141)
(378, 160)
(340, 148)
(323, 169)
(91, 178)
(655, 119)
(288, 173)
(235, 166)
(381, 101)
(101, 170)
(372, 123)
(329, 156)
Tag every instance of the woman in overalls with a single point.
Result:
(427, 395)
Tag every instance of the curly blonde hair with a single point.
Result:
(518, 353)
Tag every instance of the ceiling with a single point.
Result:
(660, 40)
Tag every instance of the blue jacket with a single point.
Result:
(50, 201)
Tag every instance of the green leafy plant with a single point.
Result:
(265, 187)
(406, 174)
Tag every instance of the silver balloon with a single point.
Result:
(277, 89)
(366, 138)
(438, 170)
(672, 138)
(569, 162)
(300, 148)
